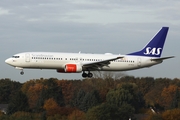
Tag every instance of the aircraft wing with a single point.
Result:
(97, 65)
(161, 59)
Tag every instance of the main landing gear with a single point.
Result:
(89, 74)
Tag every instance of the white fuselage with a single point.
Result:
(79, 62)
(52, 60)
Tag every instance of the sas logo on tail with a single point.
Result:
(152, 51)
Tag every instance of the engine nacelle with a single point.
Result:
(71, 68)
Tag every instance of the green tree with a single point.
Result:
(90, 99)
(18, 102)
(103, 112)
(78, 98)
(119, 97)
(84, 101)
(126, 94)
(106, 111)
(7, 89)
(126, 111)
(176, 100)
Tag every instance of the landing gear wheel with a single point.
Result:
(22, 73)
(90, 75)
(84, 75)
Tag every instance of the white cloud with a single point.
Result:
(33, 20)
(4, 11)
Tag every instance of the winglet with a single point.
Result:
(155, 47)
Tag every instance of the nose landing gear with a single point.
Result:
(20, 68)
(22, 72)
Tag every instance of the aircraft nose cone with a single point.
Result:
(8, 61)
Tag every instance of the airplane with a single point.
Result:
(85, 63)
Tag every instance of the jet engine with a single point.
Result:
(71, 68)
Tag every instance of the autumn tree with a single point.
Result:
(33, 94)
(49, 89)
(173, 114)
(51, 107)
(154, 117)
(167, 96)
(77, 115)
(25, 87)
(1, 113)
(53, 91)
(145, 84)
(128, 79)
(40, 90)
(176, 82)
(21, 115)
(153, 96)
(33, 89)
(56, 117)
(67, 90)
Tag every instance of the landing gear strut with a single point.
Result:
(89, 74)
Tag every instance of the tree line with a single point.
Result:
(95, 98)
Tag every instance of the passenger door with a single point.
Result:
(27, 57)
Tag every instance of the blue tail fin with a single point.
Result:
(155, 47)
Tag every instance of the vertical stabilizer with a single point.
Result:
(155, 46)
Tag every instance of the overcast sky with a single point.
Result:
(89, 26)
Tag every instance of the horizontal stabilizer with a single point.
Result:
(160, 59)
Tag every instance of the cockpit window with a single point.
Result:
(15, 56)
